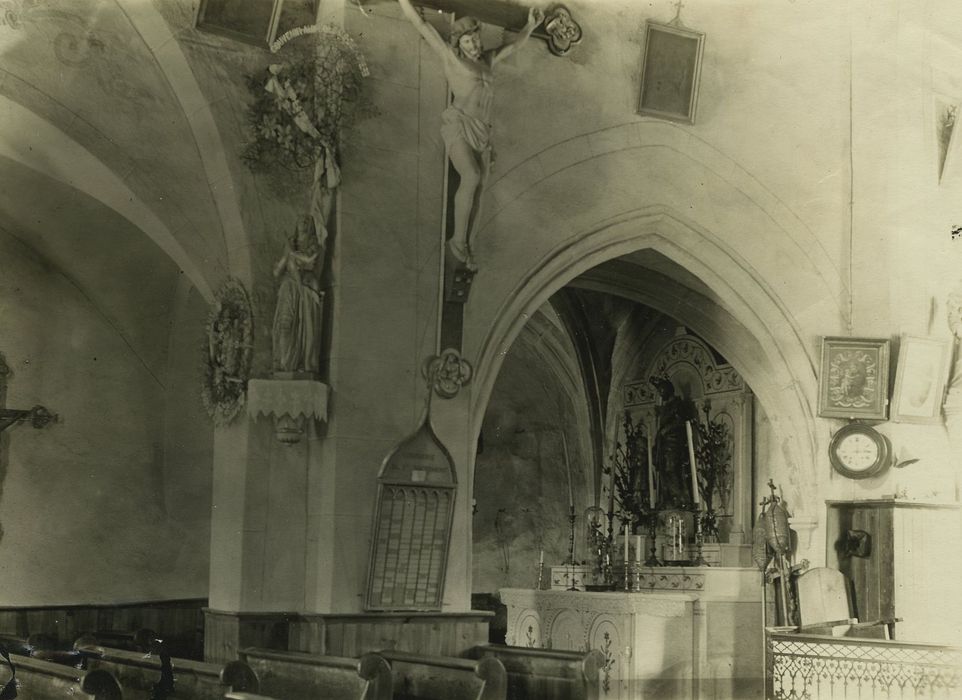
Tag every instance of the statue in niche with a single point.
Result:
(670, 456)
(466, 123)
(297, 317)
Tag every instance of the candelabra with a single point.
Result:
(699, 541)
(652, 559)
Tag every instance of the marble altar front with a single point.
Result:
(689, 633)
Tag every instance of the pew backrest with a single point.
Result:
(293, 674)
(137, 674)
(422, 677)
(44, 680)
(547, 673)
(138, 640)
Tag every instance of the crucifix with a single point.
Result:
(467, 122)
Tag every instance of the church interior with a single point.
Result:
(617, 360)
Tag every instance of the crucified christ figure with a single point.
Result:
(466, 124)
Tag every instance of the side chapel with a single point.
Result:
(585, 349)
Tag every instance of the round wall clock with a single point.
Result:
(859, 451)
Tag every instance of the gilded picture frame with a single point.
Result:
(854, 378)
(670, 72)
(920, 379)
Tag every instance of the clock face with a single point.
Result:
(858, 452)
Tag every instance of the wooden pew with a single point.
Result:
(248, 696)
(44, 680)
(137, 674)
(294, 675)
(41, 647)
(139, 640)
(420, 677)
(534, 674)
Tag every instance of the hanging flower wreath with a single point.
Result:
(228, 356)
(301, 106)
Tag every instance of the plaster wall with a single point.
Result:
(106, 505)
(521, 480)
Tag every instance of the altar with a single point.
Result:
(691, 632)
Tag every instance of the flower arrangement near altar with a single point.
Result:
(713, 452)
(629, 470)
(302, 105)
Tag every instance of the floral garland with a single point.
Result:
(228, 356)
(301, 106)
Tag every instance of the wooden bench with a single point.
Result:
(44, 680)
(293, 674)
(545, 673)
(41, 647)
(420, 677)
(248, 696)
(138, 673)
(138, 640)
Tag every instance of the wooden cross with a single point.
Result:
(677, 5)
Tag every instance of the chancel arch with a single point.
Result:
(757, 339)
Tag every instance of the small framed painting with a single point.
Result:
(923, 371)
(670, 72)
(854, 378)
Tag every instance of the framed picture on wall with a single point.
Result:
(670, 72)
(854, 378)
(923, 371)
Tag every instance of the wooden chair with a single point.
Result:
(825, 606)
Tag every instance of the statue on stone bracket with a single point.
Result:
(466, 123)
(298, 315)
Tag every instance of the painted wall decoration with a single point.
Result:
(229, 350)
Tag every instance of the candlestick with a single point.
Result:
(564, 447)
(694, 467)
(571, 536)
(699, 542)
(652, 559)
(651, 469)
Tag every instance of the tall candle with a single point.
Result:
(638, 548)
(694, 467)
(611, 493)
(651, 469)
(564, 446)
(626, 544)
(541, 558)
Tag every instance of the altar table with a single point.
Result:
(692, 632)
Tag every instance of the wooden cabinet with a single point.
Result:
(905, 565)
